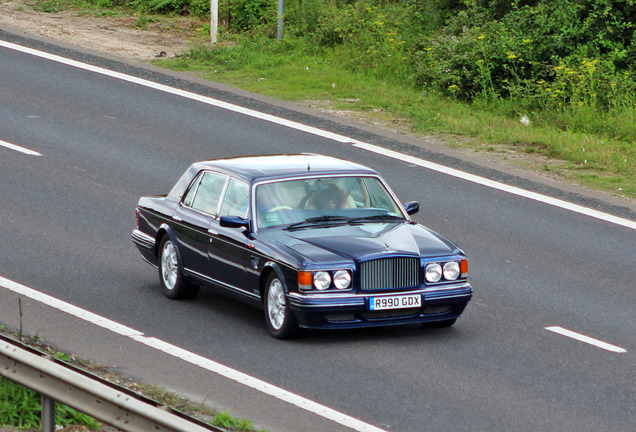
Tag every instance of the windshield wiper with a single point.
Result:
(318, 220)
(376, 218)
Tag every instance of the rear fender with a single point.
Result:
(165, 230)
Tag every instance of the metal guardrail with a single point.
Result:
(105, 401)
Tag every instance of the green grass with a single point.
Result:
(21, 407)
(594, 147)
(601, 153)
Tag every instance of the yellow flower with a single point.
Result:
(511, 56)
(481, 37)
(527, 41)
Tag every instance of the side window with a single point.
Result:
(207, 196)
(187, 201)
(379, 196)
(236, 199)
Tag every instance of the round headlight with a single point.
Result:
(451, 270)
(322, 280)
(342, 279)
(433, 272)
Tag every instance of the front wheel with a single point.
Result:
(280, 319)
(174, 284)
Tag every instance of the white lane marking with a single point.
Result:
(586, 339)
(193, 358)
(335, 137)
(19, 149)
(499, 186)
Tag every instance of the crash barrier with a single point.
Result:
(107, 402)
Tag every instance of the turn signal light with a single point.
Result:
(463, 268)
(305, 280)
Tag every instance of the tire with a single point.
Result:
(174, 284)
(280, 320)
(440, 324)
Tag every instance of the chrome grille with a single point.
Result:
(389, 273)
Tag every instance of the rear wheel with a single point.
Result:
(175, 286)
(280, 319)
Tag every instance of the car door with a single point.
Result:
(193, 217)
(228, 250)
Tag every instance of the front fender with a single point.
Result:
(287, 278)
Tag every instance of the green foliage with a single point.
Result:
(541, 54)
(366, 36)
(567, 66)
(247, 15)
(226, 421)
(502, 49)
(21, 407)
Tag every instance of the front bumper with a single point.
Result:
(351, 310)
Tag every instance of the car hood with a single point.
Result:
(362, 242)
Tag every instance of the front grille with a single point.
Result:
(389, 273)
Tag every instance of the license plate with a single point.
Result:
(395, 302)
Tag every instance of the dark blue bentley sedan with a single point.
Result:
(316, 241)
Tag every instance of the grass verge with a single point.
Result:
(580, 145)
(21, 407)
(602, 158)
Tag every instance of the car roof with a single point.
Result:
(271, 167)
(254, 168)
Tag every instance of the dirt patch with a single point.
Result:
(115, 35)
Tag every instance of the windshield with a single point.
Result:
(325, 200)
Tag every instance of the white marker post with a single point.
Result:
(214, 20)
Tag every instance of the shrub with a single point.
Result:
(21, 407)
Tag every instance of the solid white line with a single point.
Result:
(19, 149)
(193, 358)
(586, 339)
(499, 186)
(335, 137)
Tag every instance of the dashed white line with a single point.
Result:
(193, 358)
(19, 149)
(588, 340)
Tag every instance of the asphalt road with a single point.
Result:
(67, 216)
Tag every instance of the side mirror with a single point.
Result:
(412, 207)
(234, 222)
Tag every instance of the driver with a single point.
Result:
(331, 197)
